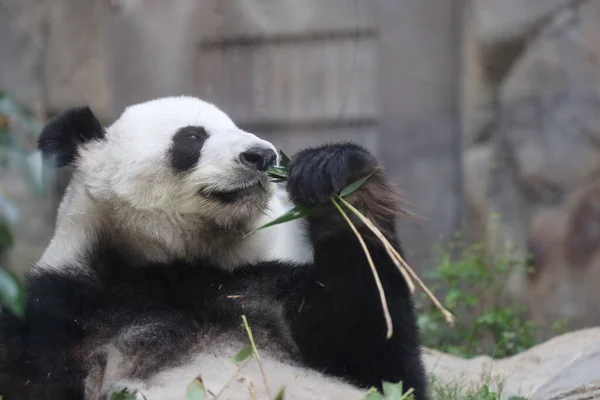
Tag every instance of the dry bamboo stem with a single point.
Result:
(255, 351)
(235, 374)
(386, 311)
(394, 255)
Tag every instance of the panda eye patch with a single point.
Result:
(185, 149)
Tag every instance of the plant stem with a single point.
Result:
(394, 254)
(235, 374)
(386, 311)
(255, 352)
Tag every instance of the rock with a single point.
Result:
(476, 166)
(565, 242)
(579, 381)
(565, 367)
(546, 155)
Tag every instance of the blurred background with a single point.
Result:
(484, 112)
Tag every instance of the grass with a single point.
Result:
(490, 389)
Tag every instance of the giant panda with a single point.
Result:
(151, 267)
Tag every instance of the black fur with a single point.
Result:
(62, 136)
(316, 174)
(185, 150)
(326, 315)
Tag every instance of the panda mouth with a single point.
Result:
(235, 194)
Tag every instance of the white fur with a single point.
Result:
(126, 187)
(219, 373)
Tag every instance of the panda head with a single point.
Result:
(176, 155)
(170, 178)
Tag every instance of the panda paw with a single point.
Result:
(316, 174)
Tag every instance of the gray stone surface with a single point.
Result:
(565, 367)
(579, 381)
(503, 20)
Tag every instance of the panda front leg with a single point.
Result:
(336, 314)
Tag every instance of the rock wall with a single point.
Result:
(532, 163)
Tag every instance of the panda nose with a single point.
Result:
(260, 158)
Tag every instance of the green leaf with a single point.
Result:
(351, 188)
(122, 395)
(284, 159)
(294, 213)
(6, 238)
(242, 356)
(12, 293)
(196, 390)
(373, 394)
(392, 391)
(8, 210)
(278, 172)
(280, 395)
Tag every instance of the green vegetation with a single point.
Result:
(15, 150)
(487, 321)
(488, 390)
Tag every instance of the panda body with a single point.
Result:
(151, 267)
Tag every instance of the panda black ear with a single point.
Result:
(61, 137)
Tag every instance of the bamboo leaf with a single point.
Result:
(278, 172)
(392, 391)
(395, 391)
(196, 391)
(12, 293)
(243, 355)
(351, 188)
(294, 213)
(284, 159)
